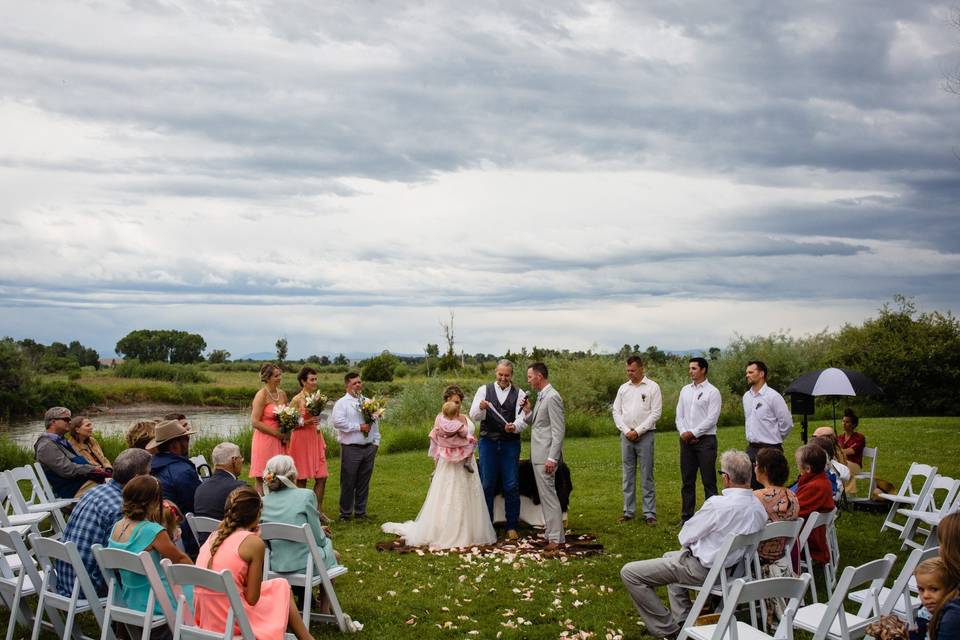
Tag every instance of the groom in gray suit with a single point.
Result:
(546, 447)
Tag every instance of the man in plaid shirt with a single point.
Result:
(94, 516)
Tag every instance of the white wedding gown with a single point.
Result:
(454, 513)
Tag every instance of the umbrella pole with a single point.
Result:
(834, 414)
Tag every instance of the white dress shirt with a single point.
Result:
(698, 409)
(733, 512)
(347, 418)
(479, 415)
(768, 420)
(637, 407)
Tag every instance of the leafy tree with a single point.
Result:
(714, 353)
(626, 351)
(341, 360)
(653, 355)
(32, 351)
(433, 352)
(148, 345)
(380, 368)
(914, 357)
(218, 356)
(281, 350)
(16, 380)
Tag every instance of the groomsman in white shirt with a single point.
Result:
(359, 442)
(768, 420)
(697, 413)
(636, 409)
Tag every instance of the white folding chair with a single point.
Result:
(21, 582)
(814, 521)
(942, 499)
(830, 620)
(203, 467)
(201, 524)
(866, 474)
(908, 497)
(315, 573)
(899, 599)
(36, 502)
(789, 530)
(45, 485)
(738, 547)
(23, 523)
(181, 575)
(83, 596)
(111, 562)
(791, 589)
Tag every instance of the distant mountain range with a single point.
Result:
(352, 355)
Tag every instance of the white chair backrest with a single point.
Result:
(941, 495)
(875, 573)
(181, 575)
(20, 581)
(201, 524)
(203, 467)
(27, 475)
(868, 473)
(901, 586)
(743, 592)
(41, 475)
(111, 562)
(922, 474)
(47, 550)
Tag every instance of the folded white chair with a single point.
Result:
(830, 621)
(742, 592)
(908, 497)
(36, 502)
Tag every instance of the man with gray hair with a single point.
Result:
(495, 407)
(735, 511)
(210, 498)
(67, 471)
(94, 516)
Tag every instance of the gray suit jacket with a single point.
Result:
(547, 427)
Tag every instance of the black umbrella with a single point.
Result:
(834, 382)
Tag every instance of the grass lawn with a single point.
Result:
(458, 595)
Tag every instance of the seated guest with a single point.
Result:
(140, 434)
(852, 443)
(772, 471)
(836, 469)
(81, 439)
(93, 518)
(236, 547)
(814, 493)
(285, 503)
(69, 473)
(211, 496)
(735, 511)
(177, 475)
(141, 529)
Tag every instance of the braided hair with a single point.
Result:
(241, 512)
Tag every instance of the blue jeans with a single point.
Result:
(500, 460)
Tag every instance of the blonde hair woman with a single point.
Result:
(268, 441)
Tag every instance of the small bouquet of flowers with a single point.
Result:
(288, 417)
(315, 402)
(372, 410)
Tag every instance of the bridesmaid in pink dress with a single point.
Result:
(267, 439)
(307, 446)
(235, 546)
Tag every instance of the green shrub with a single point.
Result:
(13, 455)
(380, 368)
(66, 394)
(180, 373)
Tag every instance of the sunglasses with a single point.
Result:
(722, 473)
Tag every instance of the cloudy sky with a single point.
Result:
(565, 174)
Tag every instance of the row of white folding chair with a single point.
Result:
(827, 621)
(898, 599)
(19, 580)
(908, 496)
(869, 474)
(814, 521)
(941, 499)
(83, 596)
(789, 530)
(38, 502)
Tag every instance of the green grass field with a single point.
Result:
(461, 595)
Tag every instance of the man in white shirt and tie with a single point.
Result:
(768, 420)
(359, 442)
(636, 409)
(698, 410)
(734, 512)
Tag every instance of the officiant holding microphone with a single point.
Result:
(495, 408)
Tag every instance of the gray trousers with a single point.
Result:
(642, 577)
(549, 503)
(356, 468)
(630, 453)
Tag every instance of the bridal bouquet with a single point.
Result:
(372, 410)
(315, 402)
(288, 417)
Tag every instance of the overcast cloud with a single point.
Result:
(566, 174)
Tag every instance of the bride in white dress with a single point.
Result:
(454, 513)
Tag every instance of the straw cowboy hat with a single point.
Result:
(169, 430)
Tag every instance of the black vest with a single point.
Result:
(492, 427)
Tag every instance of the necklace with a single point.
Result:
(274, 398)
(123, 529)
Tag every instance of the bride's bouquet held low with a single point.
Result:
(289, 418)
(372, 410)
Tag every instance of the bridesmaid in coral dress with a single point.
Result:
(307, 446)
(267, 439)
(235, 546)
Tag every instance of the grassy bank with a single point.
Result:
(451, 595)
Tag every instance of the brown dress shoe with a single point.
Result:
(552, 546)
(512, 534)
(623, 519)
(651, 520)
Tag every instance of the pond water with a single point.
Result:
(205, 420)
